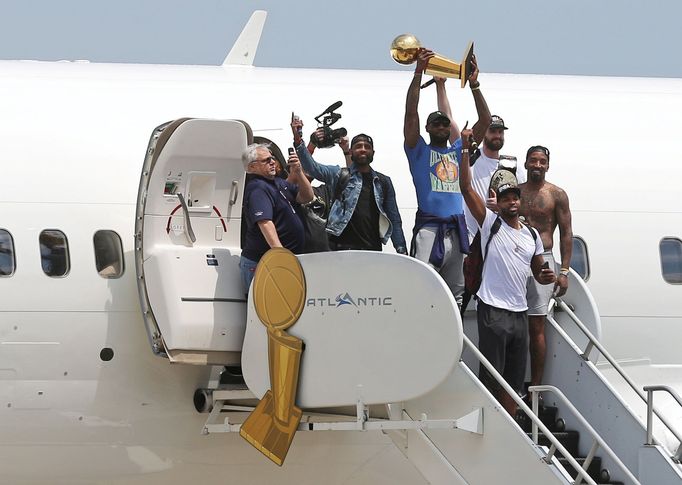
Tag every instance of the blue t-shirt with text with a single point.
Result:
(435, 173)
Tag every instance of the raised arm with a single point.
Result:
(411, 126)
(563, 215)
(305, 190)
(482, 109)
(344, 145)
(444, 106)
(323, 173)
(319, 135)
(473, 201)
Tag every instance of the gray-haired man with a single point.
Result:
(272, 218)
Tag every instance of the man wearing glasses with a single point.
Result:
(440, 235)
(270, 208)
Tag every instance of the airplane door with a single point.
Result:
(187, 233)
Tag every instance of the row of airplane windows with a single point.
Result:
(55, 261)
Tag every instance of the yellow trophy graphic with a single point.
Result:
(404, 50)
(279, 296)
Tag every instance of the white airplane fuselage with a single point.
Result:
(72, 145)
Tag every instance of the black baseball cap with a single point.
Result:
(497, 122)
(437, 115)
(361, 137)
(538, 148)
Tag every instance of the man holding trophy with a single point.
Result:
(440, 234)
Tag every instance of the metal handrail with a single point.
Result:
(598, 440)
(593, 342)
(556, 445)
(650, 418)
(189, 232)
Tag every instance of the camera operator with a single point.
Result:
(364, 213)
(344, 145)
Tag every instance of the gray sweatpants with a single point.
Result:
(451, 271)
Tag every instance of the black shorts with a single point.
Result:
(503, 340)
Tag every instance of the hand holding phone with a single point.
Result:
(296, 125)
(293, 163)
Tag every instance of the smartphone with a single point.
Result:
(296, 118)
(291, 151)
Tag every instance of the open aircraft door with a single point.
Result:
(187, 233)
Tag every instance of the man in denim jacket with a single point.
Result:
(365, 214)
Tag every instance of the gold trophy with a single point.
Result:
(404, 51)
(279, 296)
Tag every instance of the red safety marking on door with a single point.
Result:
(215, 209)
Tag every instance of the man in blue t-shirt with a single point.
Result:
(272, 220)
(440, 236)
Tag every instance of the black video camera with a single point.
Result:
(331, 136)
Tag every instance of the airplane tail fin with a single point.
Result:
(244, 49)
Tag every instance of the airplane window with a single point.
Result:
(671, 260)
(108, 254)
(580, 261)
(6, 253)
(54, 252)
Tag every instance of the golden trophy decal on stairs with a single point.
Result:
(279, 296)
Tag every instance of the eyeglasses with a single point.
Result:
(267, 159)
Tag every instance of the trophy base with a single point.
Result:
(466, 70)
(265, 435)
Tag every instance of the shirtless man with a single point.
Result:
(545, 206)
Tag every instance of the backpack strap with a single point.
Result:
(530, 228)
(383, 180)
(474, 156)
(493, 230)
(344, 177)
(384, 183)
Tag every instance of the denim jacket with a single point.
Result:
(390, 224)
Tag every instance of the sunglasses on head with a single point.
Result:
(537, 148)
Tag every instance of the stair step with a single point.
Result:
(232, 375)
(547, 414)
(567, 438)
(593, 470)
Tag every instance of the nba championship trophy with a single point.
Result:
(404, 49)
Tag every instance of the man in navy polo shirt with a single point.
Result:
(270, 208)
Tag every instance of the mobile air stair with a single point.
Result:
(385, 348)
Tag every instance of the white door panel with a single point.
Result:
(189, 220)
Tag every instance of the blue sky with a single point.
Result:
(599, 37)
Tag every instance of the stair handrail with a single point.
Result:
(556, 445)
(594, 343)
(650, 418)
(598, 440)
